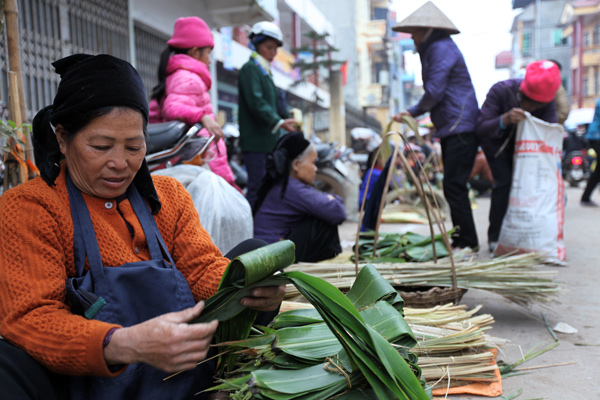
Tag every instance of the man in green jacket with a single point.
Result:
(260, 123)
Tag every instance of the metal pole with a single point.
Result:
(538, 23)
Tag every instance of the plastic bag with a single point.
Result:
(535, 216)
(224, 212)
(184, 173)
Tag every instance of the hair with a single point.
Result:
(73, 124)
(158, 91)
(302, 156)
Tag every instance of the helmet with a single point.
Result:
(265, 30)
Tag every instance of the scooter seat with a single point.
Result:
(164, 135)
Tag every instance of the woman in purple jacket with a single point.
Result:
(505, 106)
(450, 99)
(289, 207)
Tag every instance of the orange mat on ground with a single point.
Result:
(491, 389)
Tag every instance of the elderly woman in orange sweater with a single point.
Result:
(96, 220)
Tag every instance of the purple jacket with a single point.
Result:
(277, 217)
(502, 97)
(449, 93)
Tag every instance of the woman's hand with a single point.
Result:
(398, 117)
(289, 125)
(213, 127)
(166, 342)
(513, 116)
(266, 298)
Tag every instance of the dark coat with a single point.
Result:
(449, 93)
(257, 113)
(502, 97)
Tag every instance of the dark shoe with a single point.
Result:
(492, 246)
(589, 203)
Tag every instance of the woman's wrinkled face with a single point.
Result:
(268, 49)
(417, 35)
(305, 169)
(104, 157)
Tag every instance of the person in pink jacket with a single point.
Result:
(182, 92)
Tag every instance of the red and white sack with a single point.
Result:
(535, 216)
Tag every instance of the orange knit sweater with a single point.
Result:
(36, 256)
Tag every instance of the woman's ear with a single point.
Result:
(295, 167)
(61, 138)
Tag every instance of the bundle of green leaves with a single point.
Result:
(400, 247)
(350, 346)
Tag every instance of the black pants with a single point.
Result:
(502, 171)
(458, 155)
(23, 378)
(256, 168)
(315, 240)
(594, 178)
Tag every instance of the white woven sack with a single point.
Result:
(535, 216)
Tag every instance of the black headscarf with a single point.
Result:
(90, 83)
(279, 163)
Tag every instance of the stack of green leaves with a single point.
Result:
(353, 346)
(453, 348)
(399, 247)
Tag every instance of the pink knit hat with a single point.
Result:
(191, 32)
(542, 80)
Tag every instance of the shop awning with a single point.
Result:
(240, 12)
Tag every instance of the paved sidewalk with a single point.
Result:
(578, 306)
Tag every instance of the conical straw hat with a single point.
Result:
(427, 16)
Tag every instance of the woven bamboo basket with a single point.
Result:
(417, 296)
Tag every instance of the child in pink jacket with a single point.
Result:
(184, 83)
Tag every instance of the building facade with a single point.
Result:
(537, 33)
(582, 28)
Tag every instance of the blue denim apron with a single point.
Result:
(132, 293)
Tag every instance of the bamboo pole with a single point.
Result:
(11, 12)
(17, 165)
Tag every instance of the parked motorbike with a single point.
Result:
(331, 168)
(173, 143)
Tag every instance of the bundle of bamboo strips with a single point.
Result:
(452, 344)
(518, 278)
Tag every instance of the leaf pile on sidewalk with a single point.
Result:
(353, 346)
(399, 247)
(453, 346)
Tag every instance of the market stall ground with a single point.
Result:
(578, 306)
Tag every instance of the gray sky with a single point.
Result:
(484, 26)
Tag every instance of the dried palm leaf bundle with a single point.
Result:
(520, 278)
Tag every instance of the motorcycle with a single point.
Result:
(331, 169)
(173, 143)
(575, 164)
(575, 167)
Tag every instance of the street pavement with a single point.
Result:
(578, 306)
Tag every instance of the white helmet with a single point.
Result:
(267, 29)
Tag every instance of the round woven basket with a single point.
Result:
(423, 297)
(418, 296)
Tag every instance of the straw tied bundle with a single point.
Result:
(518, 278)
(453, 348)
